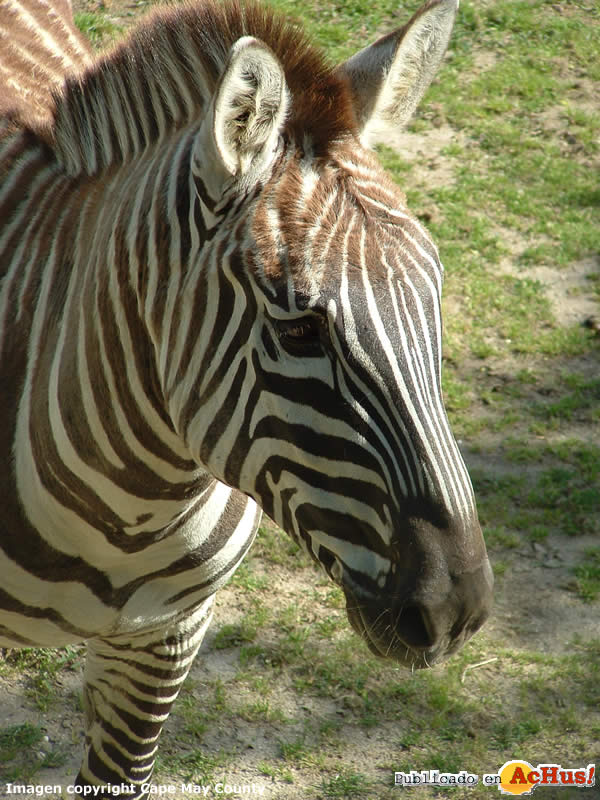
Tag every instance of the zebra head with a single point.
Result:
(326, 371)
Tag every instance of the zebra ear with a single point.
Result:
(389, 78)
(249, 107)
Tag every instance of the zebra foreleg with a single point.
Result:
(131, 682)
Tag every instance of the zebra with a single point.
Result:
(214, 302)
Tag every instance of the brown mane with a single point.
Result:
(177, 54)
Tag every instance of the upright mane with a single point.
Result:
(161, 77)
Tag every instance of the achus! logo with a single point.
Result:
(521, 777)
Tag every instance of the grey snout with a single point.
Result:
(441, 624)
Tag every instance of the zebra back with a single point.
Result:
(39, 46)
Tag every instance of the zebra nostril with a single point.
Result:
(413, 628)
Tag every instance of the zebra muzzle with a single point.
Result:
(425, 626)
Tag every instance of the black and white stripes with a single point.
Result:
(213, 301)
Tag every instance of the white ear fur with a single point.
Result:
(249, 107)
(389, 78)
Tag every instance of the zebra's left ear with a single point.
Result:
(249, 108)
(389, 78)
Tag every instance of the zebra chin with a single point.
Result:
(418, 634)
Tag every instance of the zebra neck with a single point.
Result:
(93, 440)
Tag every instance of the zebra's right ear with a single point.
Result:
(248, 109)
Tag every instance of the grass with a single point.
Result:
(97, 26)
(42, 667)
(286, 693)
(456, 718)
(24, 753)
(345, 784)
(587, 575)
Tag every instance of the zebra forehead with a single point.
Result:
(339, 215)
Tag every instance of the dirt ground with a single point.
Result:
(533, 610)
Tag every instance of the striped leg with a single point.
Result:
(131, 682)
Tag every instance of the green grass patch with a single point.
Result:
(16, 738)
(42, 665)
(587, 584)
(235, 634)
(347, 784)
(97, 26)
(24, 753)
(191, 767)
(558, 498)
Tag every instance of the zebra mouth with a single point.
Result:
(382, 639)
(419, 628)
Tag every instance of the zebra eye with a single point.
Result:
(301, 336)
